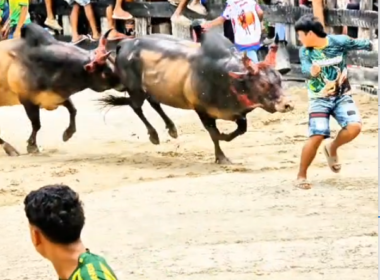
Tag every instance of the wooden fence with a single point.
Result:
(152, 14)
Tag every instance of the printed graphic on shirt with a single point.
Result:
(332, 60)
(245, 21)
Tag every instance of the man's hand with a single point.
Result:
(175, 16)
(315, 70)
(17, 34)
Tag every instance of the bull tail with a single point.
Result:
(114, 101)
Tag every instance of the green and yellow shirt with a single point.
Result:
(15, 7)
(92, 267)
(2, 6)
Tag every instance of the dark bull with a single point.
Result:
(210, 78)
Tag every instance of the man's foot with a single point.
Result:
(332, 160)
(94, 38)
(120, 14)
(114, 36)
(268, 41)
(302, 183)
(197, 7)
(53, 24)
(78, 39)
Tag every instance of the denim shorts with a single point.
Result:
(79, 2)
(342, 108)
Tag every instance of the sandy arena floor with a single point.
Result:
(167, 211)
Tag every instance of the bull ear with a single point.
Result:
(270, 58)
(90, 67)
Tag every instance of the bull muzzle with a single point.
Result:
(284, 105)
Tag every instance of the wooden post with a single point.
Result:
(291, 35)
(66, 26)
(365, 33)
(330, 4)
(142, 25)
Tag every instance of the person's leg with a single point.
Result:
(74, 17)
(319, 129)
(119, 13)
(197, 6)
(50, 20)
(347, 115)
(90, 17)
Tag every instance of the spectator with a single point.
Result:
(74, 17)
(56, 219)
(246, 17)
(19, 16)
(119, 13)
(50, 19)
(114, 35)
(197, 6)
(4, 11)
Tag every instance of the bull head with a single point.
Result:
(100, 54)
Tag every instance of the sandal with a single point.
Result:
(333, 162)
(302, 184)
(81, 38)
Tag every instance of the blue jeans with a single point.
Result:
(342, 108)
(12, 30)
(5, 15)
(252, 54)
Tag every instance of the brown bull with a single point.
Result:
(38, 71)
(211, 78)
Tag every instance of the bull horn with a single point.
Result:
(103, 39)
(276, 39)
(237, 75)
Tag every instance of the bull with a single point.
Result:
(37, 71)
(210, 78)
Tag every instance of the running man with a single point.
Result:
(56, 219)
(323, 58)
(246, 17)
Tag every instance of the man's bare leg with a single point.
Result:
(119, 13)
(91, 20)
(307, 156)
(74, 17)
(111, 24)
(50, 19)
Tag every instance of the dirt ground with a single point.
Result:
(167, 211)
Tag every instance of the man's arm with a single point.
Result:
(350, 44)
(219, 20)
(24, 13)
(259, 12)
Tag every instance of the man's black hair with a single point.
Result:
(309, 23)
(57, 211)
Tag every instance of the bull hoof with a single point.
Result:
(10, 150)
(153, 137)
(173, 132)
(33, 149)
(67, 134)
(223, 161)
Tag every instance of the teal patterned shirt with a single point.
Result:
(332, 60)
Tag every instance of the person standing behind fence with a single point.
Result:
(50, 20)
(56, 219)
(74, 17)
(323, 58)
(18, 16)
(246, 17)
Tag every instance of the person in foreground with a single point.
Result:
(323, 59)
(56, 219)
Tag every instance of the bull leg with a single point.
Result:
(136, 102)
(33, 113)
(72, 128)
(8, 148)
(210, 125)
(240, 130)
(168, 122)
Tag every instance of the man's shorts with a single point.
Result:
(79, 2)
(342, 108)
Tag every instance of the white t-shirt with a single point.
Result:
(245, 22)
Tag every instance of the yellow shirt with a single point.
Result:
(15, 7)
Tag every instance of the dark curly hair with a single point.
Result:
(309, 23)
(57, 211)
